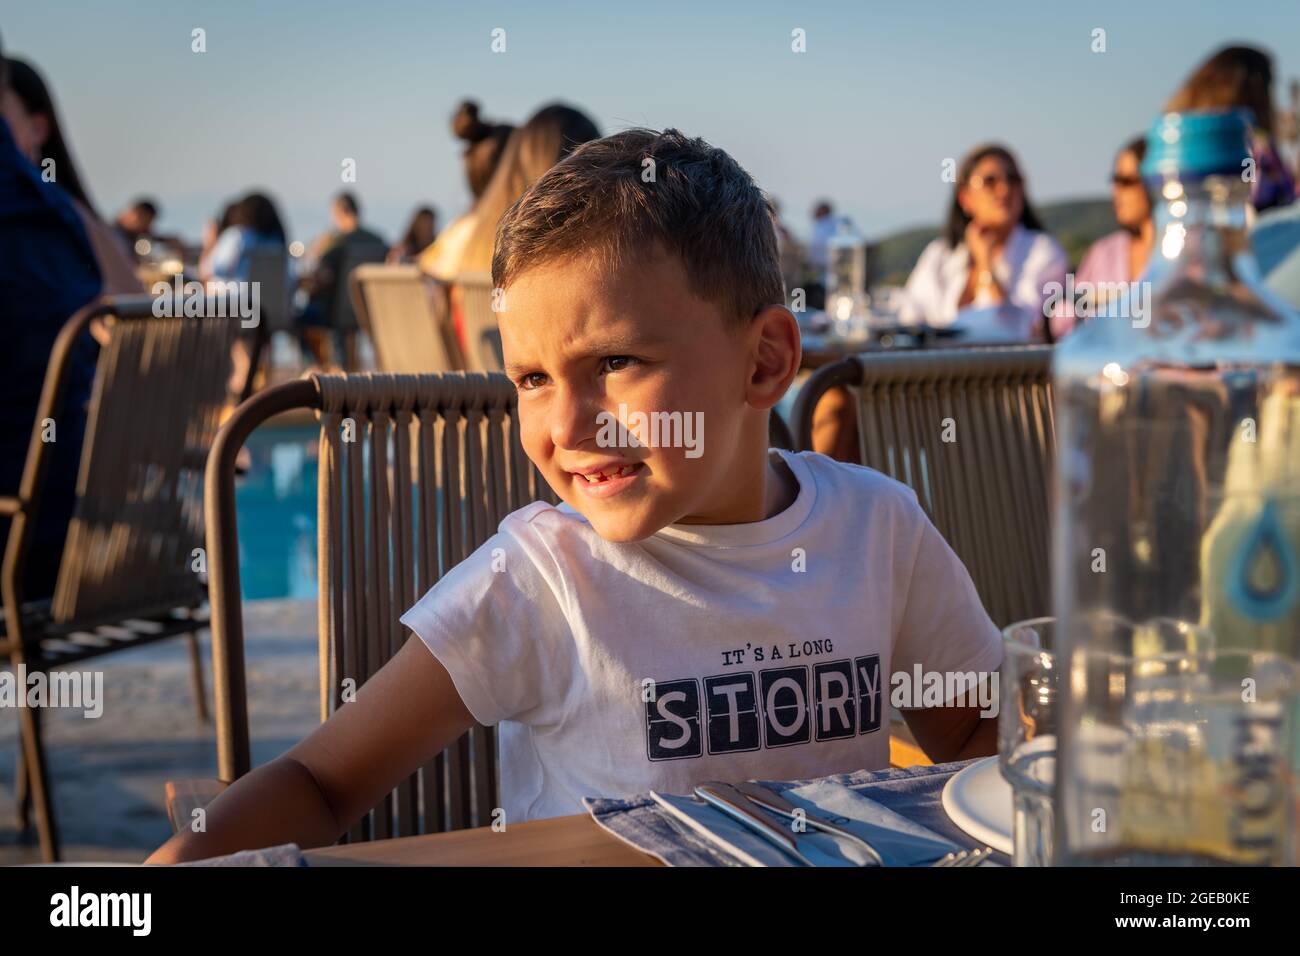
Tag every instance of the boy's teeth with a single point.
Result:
(599, 476)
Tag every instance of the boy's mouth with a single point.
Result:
(606, 480)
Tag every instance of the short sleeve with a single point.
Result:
(943, 626)
(496, 623)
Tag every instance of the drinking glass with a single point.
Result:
(1027, 718)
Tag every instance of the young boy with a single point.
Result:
(699, 607)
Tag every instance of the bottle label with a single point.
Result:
(1261, 583)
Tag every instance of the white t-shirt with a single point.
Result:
(765, 648)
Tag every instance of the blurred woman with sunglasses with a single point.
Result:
(993, 262)
(1122, 255)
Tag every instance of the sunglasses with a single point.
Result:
(990, 183)
(1118, 180)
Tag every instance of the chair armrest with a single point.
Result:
(904, 751)
(186, 796)
(905, 754)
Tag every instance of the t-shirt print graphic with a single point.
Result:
(752, 710)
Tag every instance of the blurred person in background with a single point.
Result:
(48, 271)
(791, 251)
(419, 234)
(212, 231)
(1122, 255)
(251, 223)
(34, 123)
(137, 220)
(817, 256)
(823, 228)
(1242, 77)
(327, 282)
(992, 268)
(550, 134)
(485, 145)
(993, 262)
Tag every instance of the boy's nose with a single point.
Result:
(573, 419)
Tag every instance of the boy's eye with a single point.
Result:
(617, 363)
(531, 380)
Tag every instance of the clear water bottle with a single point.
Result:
(846, 281)
(1177, 531)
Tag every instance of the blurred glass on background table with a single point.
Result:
(875, 331)
(158, 260)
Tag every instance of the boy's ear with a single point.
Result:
(774, 334)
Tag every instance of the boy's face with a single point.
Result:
(598, 354)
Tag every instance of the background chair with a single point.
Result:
(405, 317)
(778, 432)
(129, 572)
(434, 465)
(482, 337)
(971, 432)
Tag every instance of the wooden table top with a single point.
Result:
(560, 841)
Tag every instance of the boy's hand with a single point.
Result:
(403, 717)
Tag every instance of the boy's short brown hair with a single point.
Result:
(693, 200)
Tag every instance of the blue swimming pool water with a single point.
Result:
(276, 502)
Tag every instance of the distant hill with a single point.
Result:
(1076, 224)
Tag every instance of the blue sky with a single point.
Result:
(866, 116)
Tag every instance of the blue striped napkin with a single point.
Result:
(912, 795)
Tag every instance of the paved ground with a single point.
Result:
(108, 773)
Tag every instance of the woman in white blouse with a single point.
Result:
(992, 265)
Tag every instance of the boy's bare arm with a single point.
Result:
(953, 733)
(402, 717)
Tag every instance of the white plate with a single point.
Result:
(978, 800)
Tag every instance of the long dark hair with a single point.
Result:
(27, 83)
(954, 230)
(484, 145)
(411, 244)
(550, 134)
(1234, 76)
(258, 213)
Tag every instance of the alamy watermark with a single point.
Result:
(651, 429)
(1112, 300)
(218, 299)
(133, 911)
(70, 690)
(920, 688)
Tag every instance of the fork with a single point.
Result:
(964, 858)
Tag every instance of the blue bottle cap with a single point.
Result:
(1197, 143)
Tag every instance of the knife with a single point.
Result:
(771, 800)
(736, 805)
